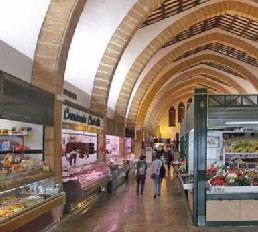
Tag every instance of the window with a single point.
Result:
(189, 102)
(181, 112)
(172, 117)
(69, 94)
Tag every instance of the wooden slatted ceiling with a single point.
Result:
(210, 78)
(222, 49)
(170, 8)
(237, 25)
(218, 67)
(222, 68)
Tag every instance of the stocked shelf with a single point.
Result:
(22, 152)
(15, 134)
(186, 185)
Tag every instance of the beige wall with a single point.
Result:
(165, 131)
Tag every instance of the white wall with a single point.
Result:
(14, 62)
(20, 23)
(97, 23)
(83, 99)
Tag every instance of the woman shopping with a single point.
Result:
(157, 173)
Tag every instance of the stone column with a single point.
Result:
(138, 143)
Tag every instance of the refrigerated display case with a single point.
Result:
(82, 182)
(119, 170)
(23, 204)
(21, 154)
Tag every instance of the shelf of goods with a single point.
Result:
(82, 182)
(25, 204)
(186, 181)
(234, 191)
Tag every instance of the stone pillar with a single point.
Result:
(122, 147)
(58, 138)
(200, 156)
(52, 142)
(102, 141)
(138, 143)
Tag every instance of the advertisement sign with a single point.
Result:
(72, 115)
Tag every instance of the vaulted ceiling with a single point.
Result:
(134, 59)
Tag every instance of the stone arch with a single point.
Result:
(114, 50)
(194, 72)
(54, 43)
(213, 9)
(175, 87)
(56, 35)
(183, 65)
(157, 115)
(190, 44)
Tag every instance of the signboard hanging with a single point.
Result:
(73, 115)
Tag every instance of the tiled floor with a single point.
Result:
(123, 211)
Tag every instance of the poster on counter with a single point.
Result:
(149, 155)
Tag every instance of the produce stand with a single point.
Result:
(223, 158)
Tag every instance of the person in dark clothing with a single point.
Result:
(141, 174)
(169, 158)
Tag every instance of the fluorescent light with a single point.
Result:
(241, 122)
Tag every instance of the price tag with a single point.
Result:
(218, 189)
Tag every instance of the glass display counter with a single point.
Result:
(119, 170)
(82, 182)
(23, 204)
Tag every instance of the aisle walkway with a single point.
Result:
(123, 211)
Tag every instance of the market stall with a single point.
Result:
(31, 198)
(118, 164)
(225, 160)
(84, 176)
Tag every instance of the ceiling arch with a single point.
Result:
(174, 88)
(53, 44)
(152, 123)
(181, 49)
(180, 66)
(116, 46)
(191, 73)
(213, 9)
(56, 35)
(171, 99)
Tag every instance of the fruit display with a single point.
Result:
(248, 146)
(217, 181)
(211, 171)
(234, 177)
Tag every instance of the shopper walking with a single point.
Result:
(141, 174)
(155, 175)
(169, 159)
